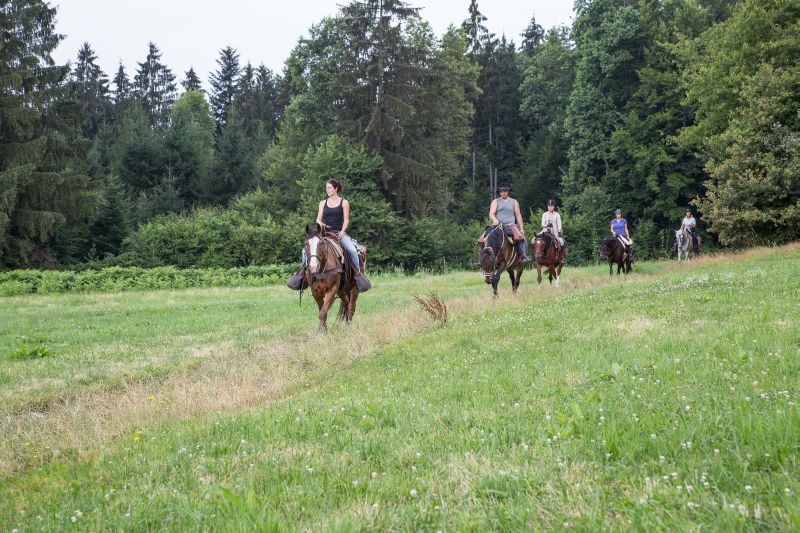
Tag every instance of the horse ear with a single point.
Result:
(319, 229)
(308, 230)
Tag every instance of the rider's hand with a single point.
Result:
(496, 223)
(340, 234)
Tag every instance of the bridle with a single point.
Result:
(490, 275)
(541, 235)
(322, 272)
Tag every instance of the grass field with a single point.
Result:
(667, 400)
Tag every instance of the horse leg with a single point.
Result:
(558, 275)
(538, 275)
(351, 305)
(610, 268)
(495, 281)
(344, 303)
(323, 311)
(514, 274)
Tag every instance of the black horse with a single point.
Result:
(614, 252)
(500, 254)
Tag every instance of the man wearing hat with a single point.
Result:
(504, 211)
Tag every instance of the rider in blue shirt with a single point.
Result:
(619, 229)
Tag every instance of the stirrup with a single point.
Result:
(298, 281)
(362, 283)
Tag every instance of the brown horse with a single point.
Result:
(614, 252)
(327, 275)
(546, 254)
(499, 254)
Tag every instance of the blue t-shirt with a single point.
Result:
(619, 226)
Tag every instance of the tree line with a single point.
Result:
(651, 106)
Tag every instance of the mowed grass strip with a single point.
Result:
(667, 403)
(214, 365)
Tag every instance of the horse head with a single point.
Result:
(488, 263)
(605, 245)
(313, 248)
(539, 246)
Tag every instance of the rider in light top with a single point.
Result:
(505, 211)
(551, 221)
(690, 225)
(619, 228)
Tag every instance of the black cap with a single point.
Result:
(551, 202)
(504, 187)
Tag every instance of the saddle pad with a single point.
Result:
(336, 248)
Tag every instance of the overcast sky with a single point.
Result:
(191, 32)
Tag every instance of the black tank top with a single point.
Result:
(333, 216)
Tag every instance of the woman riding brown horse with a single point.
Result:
(614, 252)
(327, 275)
(497, 255)
(546, 254)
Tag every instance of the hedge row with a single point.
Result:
(115, 279)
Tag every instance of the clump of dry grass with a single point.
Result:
(433, 305)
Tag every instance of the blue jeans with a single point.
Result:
(349, 246)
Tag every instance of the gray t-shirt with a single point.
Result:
(505, 211)
(689, 222)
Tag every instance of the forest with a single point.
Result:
(650, 106)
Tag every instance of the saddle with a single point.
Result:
(348, 267)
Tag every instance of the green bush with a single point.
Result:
(114, 279)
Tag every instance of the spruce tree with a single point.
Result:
(91, 86)
(477, 33)
(224, 84)
(122, 85)
(532, 37)
(385, 79)
(155, 86)
(192, 81)
(268, 107)
(40, 189)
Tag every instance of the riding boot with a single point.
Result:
(526, 260)
(298, 281)
(362, 283)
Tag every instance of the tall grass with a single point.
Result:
(664, 401)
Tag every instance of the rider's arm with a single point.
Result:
(628, 235)
(492, 212)
(518, 214)
(319, 213)
(346, 222)
(544, 219)
(612, 229)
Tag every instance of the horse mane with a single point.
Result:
(495, 238)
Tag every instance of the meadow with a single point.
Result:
(666, 400)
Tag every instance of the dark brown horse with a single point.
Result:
(614, 252)
(546, 254)
(327, 275)
(500, 254)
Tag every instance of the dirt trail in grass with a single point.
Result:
(229, 379)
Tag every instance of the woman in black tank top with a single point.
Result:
(334, 212)
(333, 217)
